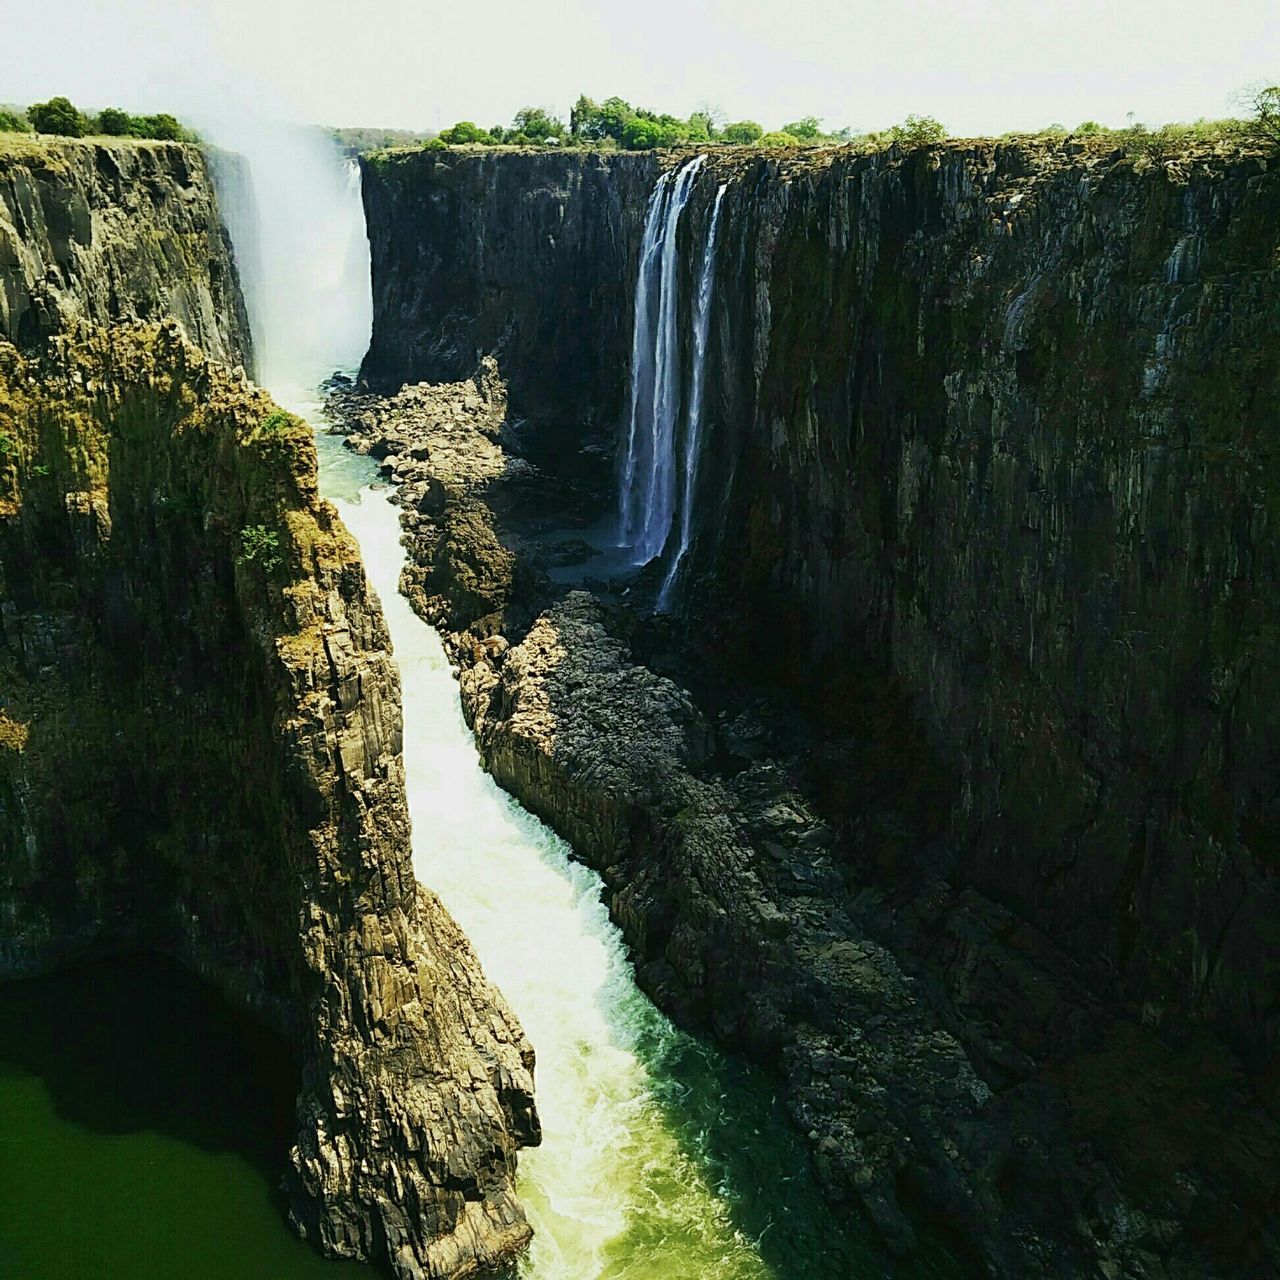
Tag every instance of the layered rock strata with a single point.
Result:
(110, 230)
(200, 733)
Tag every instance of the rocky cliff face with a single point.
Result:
(113, 230)
(986, 489)
(200, 752)
(528, 253)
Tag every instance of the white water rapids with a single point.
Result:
(661, 1159)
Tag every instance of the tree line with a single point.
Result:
(62, 118)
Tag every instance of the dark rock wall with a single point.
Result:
(200, 733)
(532, 254)
(989, 425)
(115, 230)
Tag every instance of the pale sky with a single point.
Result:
(986, 66)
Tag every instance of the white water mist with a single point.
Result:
(304, 265)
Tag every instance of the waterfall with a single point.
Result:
(648, 487)
(693, 427)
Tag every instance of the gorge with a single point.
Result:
(862, 563)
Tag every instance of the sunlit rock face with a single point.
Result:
(104, 231)
(200, 752)
(985, 489)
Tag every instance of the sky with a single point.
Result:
(987, 66)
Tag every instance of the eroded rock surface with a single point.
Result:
(200, 732)
(111, 230)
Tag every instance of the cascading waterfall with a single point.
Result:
(660, 1158)
(648, 484)
(693, 426)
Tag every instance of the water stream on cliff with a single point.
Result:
(697, 391)
(647, 490)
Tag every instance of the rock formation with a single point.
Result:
(987, 492)
(200, 716)
(113, 230)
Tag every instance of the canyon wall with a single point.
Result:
(987, 425)
(115, 230)
(200, 752)
(200, 718)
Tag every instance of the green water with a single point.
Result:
(143, 1130)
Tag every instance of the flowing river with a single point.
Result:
(661, 1158)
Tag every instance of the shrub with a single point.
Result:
(276, 421)
(12, 122)
(1089, 129)
(114, 122)
(918, 131)
(165, 127)
(742, 133)
(261, 546)
(57, 116)
(8, 445)
(779, 138)
(431, 144)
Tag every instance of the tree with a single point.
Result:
(463, 132)
(163, 126)
(807, 130)
(742, 133)
(12, 122)
(537, 123)
(645, 131)
(918, 131)
(702, 127)
(114, 122)
(1266, 113)
(57, 116)
(779, 138)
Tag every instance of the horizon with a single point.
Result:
(993, 68)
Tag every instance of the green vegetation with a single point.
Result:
(1266, 113)
(742, 133)
(464, 132)
(356, 140)
(918, 131)
(8, 445)
(261, 546)
(58, 116)
(13, 121)
(62, 118)
(276, 421)
(615, 123)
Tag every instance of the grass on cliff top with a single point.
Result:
(52, 150)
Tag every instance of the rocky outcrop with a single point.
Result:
(114, 230)
(200, 752)
(986, 486)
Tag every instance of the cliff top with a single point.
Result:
(51, 148)
(1143, 148)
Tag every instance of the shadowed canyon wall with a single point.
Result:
(992, 425)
